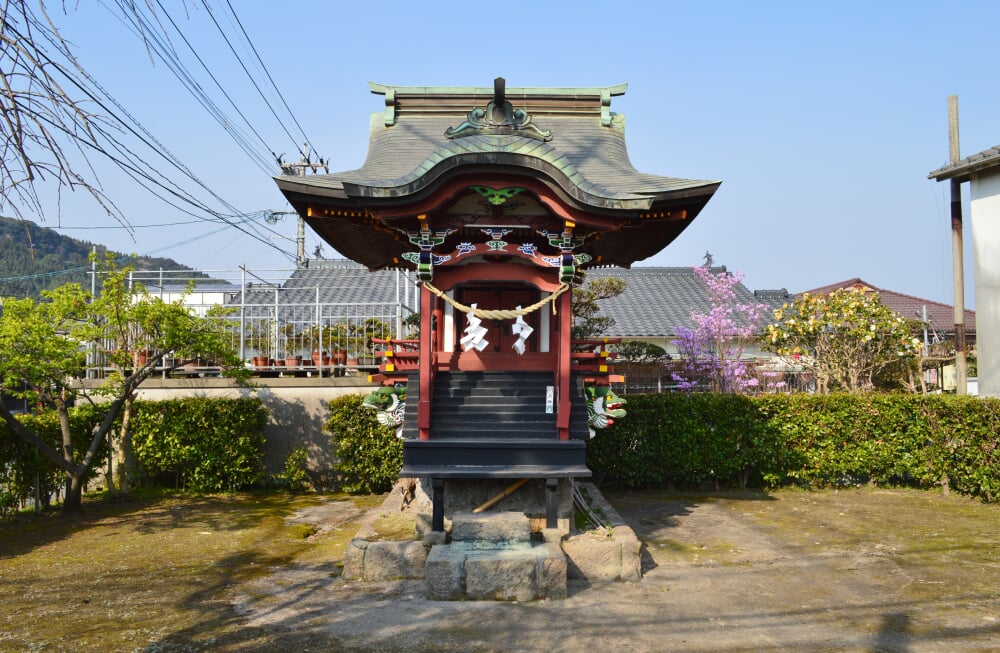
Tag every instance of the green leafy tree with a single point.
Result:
(845, 338)
(638, 351)
(44, 348)
(587, 320)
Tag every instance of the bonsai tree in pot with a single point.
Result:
(371, 329)
(260, 338)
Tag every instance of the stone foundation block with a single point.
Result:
(490, 527)
(354, 559)
(551, 572)
(395, 560)
(593, 559)
(376, 561)
(501, 575)
(445, 573)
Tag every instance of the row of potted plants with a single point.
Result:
(318, 359)
(347, 339)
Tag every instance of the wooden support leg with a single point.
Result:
(437, 505)
(551, 503)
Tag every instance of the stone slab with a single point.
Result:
(445, 573)
(490, 527)
(517, 572)
(501, 576)
(593, 559)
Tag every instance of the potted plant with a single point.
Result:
(371, 329)
(260, 338)
(338, 337)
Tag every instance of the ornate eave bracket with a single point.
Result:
(499, 117)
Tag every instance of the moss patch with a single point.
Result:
(150, 573)
(395, 527)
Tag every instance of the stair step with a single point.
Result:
(495, 458)
(490, 527)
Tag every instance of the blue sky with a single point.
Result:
(821, 119)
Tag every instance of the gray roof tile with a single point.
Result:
(657, 300)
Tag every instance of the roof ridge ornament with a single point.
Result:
(499, 117)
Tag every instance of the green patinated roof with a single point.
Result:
(586, 156)
(567, 138)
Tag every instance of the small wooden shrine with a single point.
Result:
(499, 198)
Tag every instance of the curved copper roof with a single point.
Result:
(566, 138)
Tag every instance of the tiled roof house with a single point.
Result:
(940, 317)
(658, 300)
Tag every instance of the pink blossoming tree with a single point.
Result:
(712, 352)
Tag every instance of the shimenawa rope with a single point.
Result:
(499, 314)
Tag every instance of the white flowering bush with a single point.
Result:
(844, 338)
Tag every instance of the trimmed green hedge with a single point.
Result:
(204, 445)
(367, 455)
(805, 439)
(700, 439)
(21, 463)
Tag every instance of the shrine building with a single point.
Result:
(499, 199)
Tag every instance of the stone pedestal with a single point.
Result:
(492, 557)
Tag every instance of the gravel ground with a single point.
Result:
(717, 578)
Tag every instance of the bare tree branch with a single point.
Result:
(40, 119)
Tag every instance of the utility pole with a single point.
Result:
(299, 169)
(958, 267)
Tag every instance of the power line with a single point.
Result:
(100, 133)
(158, 43)
(268, 74)
(247, 71)
(136, 167)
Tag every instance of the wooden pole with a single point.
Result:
(958, 267)
(506, 493)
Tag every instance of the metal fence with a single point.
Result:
(272, 317)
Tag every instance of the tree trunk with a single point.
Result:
(126, 461)
(73, 502)
(109, 474)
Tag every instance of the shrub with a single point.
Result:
(295, 475)
(22, 465)
(804, 439)
(686, 439)
(205, 445)
(367, 455)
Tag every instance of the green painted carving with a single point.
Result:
(389, 405)
(603, 407)
(497, 196)
(565, 242)
(425, 238)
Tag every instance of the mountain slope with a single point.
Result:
(35, 258)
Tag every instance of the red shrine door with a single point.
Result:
(499, 334)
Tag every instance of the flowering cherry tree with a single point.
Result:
(712, 352)
(844, 338)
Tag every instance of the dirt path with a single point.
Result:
(716, 579)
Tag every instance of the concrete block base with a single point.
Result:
(384, 560)
(521, 571)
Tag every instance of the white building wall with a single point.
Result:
(985, 193)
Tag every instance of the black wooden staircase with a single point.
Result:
(493, 425)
